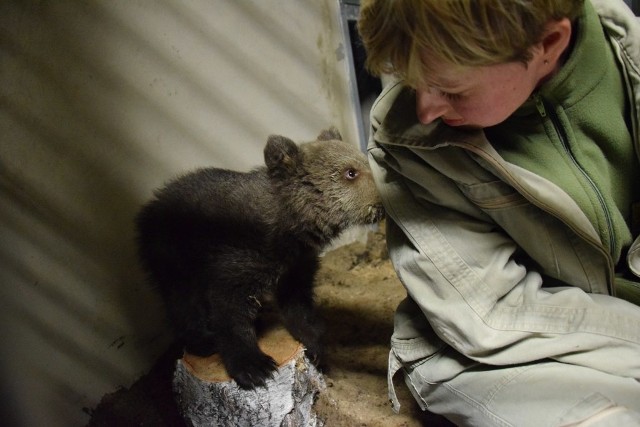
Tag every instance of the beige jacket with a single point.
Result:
(461, 222)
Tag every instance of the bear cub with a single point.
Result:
(217, 243)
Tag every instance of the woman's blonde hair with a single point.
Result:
(396, 33)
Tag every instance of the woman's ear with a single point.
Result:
(556, 40)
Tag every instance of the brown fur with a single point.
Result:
(215, 242)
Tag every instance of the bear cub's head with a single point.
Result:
(327, 181)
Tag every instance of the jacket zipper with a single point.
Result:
(546, 112)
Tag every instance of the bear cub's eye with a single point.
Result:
(351, 174)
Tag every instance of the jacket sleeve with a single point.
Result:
(464, 273)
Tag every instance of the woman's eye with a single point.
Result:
(351, 174)
(451, 96)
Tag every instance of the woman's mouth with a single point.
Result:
(453, 122)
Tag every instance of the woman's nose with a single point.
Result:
(430, 106)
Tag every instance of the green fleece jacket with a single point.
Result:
(576, 132)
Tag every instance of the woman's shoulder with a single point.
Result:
(619, 22)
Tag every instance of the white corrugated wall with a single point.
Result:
(100, 102)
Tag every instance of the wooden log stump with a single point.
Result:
(207, 396)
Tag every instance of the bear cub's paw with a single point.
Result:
(250, 370)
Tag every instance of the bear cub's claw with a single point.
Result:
(251, 371)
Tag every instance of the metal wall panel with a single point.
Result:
(100, 102)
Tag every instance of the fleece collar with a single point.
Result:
(583, 69)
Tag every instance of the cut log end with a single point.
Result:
(207, 396)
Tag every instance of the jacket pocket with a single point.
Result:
(425, 364)
(557, 251)
(422, 356)
(413, 338)
(493, 195)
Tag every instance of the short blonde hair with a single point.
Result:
(395, 33)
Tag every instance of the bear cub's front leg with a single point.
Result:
(244, 360)
(231, 332)
(297, 308)
(306, 326)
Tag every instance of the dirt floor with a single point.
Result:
(357, 292)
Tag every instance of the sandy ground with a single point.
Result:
(357, 292)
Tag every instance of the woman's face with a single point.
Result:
(478, 96)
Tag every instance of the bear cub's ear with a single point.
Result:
(330, 134)
(281, 155)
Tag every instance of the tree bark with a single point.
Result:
(207, 396)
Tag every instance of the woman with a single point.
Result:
(506, 152)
